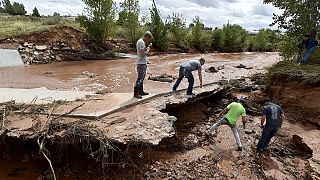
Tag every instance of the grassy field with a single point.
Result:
(286, 71)
(14, 26)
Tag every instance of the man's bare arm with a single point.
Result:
(200, 76)
(222, 113)
(244, 121)
(282, 118)
(262, 120)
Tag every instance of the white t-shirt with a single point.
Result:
(141, 59)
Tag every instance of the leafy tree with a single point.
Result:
(53, 20)
(217, 40)
(35, 12)
(159, 29)
(18, 9)
(197, 34)
(129, 18)
(7, 6)
(266, 40)
(177, 27)
(234, 38)
(1, 8)
(299, 16)
(99, 20)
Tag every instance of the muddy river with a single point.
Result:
(120, 75)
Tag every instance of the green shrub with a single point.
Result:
(53, 20)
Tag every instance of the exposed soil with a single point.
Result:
(182, 156)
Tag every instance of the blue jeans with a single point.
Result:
(184, 73)
(267, 134)
(141, 70)
(307, 54)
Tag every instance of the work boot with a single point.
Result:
(142, 93)
(136, 93)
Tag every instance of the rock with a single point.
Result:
(58, 58)
(247, 131)
(211, 69)
(221, 67)
(162, 78)
(41, 48)
(241, 66)
(66, 48)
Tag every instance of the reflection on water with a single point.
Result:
(120, 75)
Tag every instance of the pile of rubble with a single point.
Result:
(35, 54)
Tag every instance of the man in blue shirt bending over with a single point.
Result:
(186, 71)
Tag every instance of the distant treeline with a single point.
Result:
(102, 20)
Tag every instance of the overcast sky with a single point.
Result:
(250, 14)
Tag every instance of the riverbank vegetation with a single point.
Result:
(125, 22)
(287, 71)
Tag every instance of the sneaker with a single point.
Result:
(240, 149)
(190, 94)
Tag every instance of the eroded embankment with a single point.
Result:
(301, 101)
(157, 139)
(299, 96)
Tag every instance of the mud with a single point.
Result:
(119, 75)
(158, 138)
(181, 156)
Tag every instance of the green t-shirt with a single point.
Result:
(235, 111)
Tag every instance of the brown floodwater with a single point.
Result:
(120, 75)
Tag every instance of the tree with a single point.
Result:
(1, 8)
(35, 12)
(7, 6)
(129, 18)
(218, 40)
(299, 16)
(177, 27)
(99, 19)
(158, 29)
(234, 38)
(199, 40)
(18, 9)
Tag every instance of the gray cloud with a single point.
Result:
(206, 3)
(262, 10)
(251, 14)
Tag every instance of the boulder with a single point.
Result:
(41, 48)
(211, 69)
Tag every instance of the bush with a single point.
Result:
(53, 20)
(288, 48)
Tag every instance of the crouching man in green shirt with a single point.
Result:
(234, 111)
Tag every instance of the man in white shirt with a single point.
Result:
(142, 52)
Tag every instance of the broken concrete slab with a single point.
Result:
(10, 58)
(140, 121)
(99, 105)
(40, 95)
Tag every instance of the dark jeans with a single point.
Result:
(141, 70)
(267, 134)
(184, 73)
(307, 54)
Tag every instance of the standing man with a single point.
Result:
(186, 71)
(142, 52)
(274, 116)
(234, 111)
(310, 45)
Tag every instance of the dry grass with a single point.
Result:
(15, 26)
